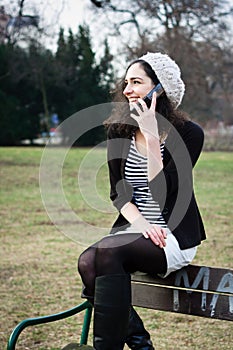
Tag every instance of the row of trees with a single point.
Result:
(36, 83)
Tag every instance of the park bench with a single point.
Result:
(194, 290)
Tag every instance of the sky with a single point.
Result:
(72, 13)
(64, 13)
(71, 10)
(53, 13)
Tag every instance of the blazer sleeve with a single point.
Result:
(183, 147)
(121, 191)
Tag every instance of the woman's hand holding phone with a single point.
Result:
(146, 118)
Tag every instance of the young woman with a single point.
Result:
(151, 152)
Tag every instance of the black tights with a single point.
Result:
(119, 254)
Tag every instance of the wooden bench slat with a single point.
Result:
(194, 290)
(160, 298)
(213, 277)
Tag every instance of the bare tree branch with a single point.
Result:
(21, 4)
(97, 3)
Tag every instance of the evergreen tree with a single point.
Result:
(61, 47)
(17, 120)
(89, 91)
(34, 83)
(106, 68)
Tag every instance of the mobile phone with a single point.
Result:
(148, 98)
(158, 89)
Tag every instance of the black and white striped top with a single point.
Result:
(136, 175)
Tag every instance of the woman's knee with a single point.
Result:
(86, 261)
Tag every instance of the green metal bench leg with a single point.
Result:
(51, 318)
(86, 326)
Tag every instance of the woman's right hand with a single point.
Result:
(157, 235)
(154, 232)
(146, 117)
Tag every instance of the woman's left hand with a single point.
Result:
(146, 118)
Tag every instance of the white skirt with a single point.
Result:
(176, 257)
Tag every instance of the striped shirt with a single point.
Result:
(136, 175)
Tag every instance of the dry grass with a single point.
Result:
(38, 262)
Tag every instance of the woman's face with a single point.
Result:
(137, 83)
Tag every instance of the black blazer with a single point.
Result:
(172, 188)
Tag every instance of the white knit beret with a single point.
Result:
(169, 75)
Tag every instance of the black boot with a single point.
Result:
(137, 337)
(111, 311)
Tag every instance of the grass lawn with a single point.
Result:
(39, 258)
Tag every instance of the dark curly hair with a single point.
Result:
(120, 118)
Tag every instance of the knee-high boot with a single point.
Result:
(111, 311)
(137, 336)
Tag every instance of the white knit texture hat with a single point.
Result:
(169, 75)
